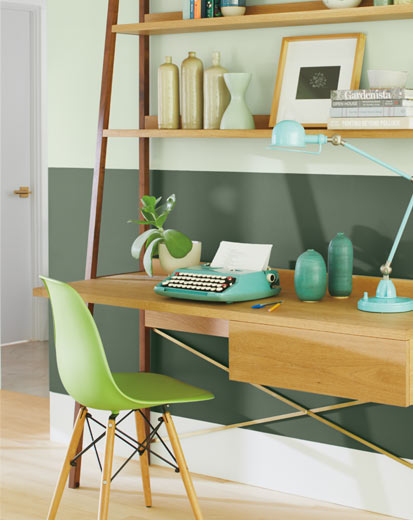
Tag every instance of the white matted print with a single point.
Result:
(309, 68)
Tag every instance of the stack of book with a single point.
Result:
(374, 109)
(201, 8)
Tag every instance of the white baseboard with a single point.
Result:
(345, 476)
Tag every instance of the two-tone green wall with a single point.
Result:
(226, 190)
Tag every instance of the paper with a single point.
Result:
(235, 255)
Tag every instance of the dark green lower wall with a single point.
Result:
(294, 212)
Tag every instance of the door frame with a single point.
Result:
(39, 166)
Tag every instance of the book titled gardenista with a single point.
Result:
(377, 93)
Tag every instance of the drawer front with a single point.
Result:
(356, 367)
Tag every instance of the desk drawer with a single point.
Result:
(356, 367)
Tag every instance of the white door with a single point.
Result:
(17, 109)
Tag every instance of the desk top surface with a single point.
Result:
(135, 290)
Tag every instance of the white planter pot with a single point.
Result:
(169, 263)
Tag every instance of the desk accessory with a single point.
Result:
(340, 266)
(291, 136)
(177, 244)
(273, 307)
(220, 285)
(310, 277)
(261, 305)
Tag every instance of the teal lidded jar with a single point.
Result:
(340, 266)
(310, 277)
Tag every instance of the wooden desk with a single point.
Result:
(328, 347)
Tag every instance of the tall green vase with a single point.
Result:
(340, 266)
(310, 277)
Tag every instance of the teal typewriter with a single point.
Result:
(214, 284)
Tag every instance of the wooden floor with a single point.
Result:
(30, 463)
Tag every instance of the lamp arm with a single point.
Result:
(385, 269)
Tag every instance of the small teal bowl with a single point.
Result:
(310, 277)
(233, 3)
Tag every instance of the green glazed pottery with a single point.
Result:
(310, 277)
(237, 115)
(340, 266)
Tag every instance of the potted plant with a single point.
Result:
(174, 248)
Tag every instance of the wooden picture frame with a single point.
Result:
(308, 68)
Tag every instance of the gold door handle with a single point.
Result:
(23, 192)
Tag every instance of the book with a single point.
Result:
(191, 8)
(200, 7)
(377, 93)
(370, 123)
(186, 9)
(371, 111)
(213, 9)
(372, 103)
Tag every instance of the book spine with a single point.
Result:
(203, 8)
(210, 8)
(186, 9)
(197, 8)
(347, 103)
(371, 111)
(370, 123)
(217, 8)
(192, 9)
(384, 93)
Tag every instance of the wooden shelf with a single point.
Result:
(276, 15)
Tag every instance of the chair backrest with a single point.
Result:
(81, 359)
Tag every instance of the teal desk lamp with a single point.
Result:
(290, 136)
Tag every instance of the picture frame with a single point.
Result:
(308, 69)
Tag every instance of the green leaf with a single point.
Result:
(153, 237)
(160, 221)
(148, 215)
(147, 257)
(140, 241)
(143, 222)
(177, 243)
(148, 202)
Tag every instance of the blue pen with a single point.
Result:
(261, 305)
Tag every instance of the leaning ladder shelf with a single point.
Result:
(282, 14)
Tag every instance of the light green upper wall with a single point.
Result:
(75, 52)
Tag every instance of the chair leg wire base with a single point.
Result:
(301, 410)
(138, 447)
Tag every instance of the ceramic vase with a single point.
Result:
(216, 93)
(192, 72)
(169, 263)
(168, 95)
(237, 115)
(340, 266)
(233, 7)
(310, 277)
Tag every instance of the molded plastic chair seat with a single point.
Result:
(146, 389)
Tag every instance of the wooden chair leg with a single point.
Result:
(107, 470)
(144, 459)
(64, 473)
(183, 468)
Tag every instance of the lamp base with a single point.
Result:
(375, 304)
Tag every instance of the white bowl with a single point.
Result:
(233, 10)
(341, 4)
(387, 78)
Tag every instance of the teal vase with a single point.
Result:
(237, 115)
(310, 277)
(340, 266)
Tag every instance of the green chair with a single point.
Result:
(86, 376)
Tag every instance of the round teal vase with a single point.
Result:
(340, 266)
(310, 277)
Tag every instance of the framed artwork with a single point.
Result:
(308, 69)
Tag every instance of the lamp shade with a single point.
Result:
(288, 133)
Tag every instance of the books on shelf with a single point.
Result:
(369, 94)
(371, 109)
(370, 123)
(201, 8)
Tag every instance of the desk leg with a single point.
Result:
(74, 475)
(144, 356)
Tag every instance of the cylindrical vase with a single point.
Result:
(192, 102)
(168, 95)
(216, 93)
(340, 266)
(310, 277)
